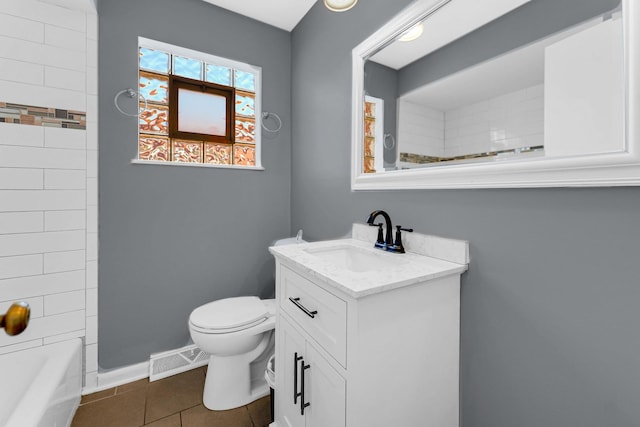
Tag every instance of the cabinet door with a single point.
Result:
(288, 382)
(324, 391)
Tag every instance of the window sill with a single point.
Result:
(196, 165)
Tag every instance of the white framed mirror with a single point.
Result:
(507, 93)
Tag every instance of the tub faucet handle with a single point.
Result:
(16, 319)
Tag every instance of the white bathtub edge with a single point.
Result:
(63, 359)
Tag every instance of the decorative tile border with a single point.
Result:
(420, 159)
(42, 116)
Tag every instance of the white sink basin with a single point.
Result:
(355, 259)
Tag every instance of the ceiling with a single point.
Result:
(507, 73)
(283, 14)
(517, 69)
(450, 22)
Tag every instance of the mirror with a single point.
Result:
(460, 93)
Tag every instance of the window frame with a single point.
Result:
(175, 84)
(207, 58)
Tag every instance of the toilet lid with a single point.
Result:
(229, 313)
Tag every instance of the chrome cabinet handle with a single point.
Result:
(304, 309)
(303, 405)
(296, 394)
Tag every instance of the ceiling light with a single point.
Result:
(412, 33)
(339, 5)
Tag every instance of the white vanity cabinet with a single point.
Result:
(308, 375)
(322, 384)
(383, 355)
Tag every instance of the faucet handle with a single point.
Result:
(380, 243)
(398, 247)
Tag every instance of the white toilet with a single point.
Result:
(238, 334)
(235, 332)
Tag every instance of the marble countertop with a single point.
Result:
(399, 269)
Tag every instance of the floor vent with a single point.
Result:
(173, 362)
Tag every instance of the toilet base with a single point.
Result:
(229, 384)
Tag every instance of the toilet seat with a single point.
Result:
(229, 315)
(227, 330)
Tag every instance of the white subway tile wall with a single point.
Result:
(40, 285)
(21, 179)
(21, 72)
(28, 200)
(506, 122)
(91, 212)
(23, 265)
(63, 337)
(48, 177)
(22, 93)
(64, 220)
(92, 327)
(21, 222)
(20, 346)
(65, 38)
(92, 275)
(421, 130)
(29, 136)
(73, 139)
(514, 120)
(37, 157)
(54, 241)
(91, 359)
(56, 262)
(64, 79)
(63, 303)
(20, 28)
(62, 179)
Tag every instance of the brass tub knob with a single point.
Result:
(16, 319)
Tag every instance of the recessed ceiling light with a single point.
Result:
(339, 5)
(412, 33)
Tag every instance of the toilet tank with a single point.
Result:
(290, 240)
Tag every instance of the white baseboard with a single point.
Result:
(119, 376)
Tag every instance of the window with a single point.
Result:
(200, 109)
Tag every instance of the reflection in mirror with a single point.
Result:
(518, 79)
(373, 134)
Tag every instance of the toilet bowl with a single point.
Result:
(237, 333)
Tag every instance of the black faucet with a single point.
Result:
(388, 240)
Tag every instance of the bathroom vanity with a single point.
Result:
(365, 337)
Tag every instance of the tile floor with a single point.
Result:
(171, 402)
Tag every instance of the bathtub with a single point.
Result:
(41, 386)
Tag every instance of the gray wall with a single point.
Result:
(549, 327)
(382, 82)
(171, 237)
